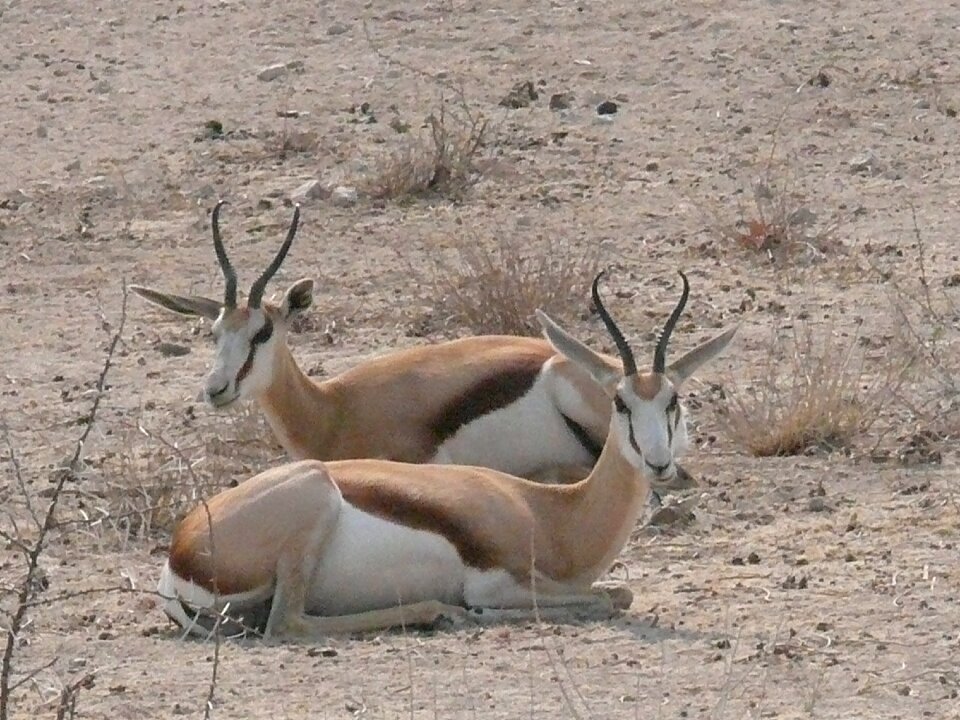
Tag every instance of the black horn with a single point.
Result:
(660, 354)
(229, 274)
(626, 354)
(260, 284)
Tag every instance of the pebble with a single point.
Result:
(344, 196)
(169, 349)
(866, 164)
(607, 107)
(561, 101)
(310, 190)
(337, 28)
(272, 72)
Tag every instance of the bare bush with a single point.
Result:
(155, 477)
(31, 542)
(778, 222)
(493, 286)
(442, 160)
(813, 394)
(927, 310)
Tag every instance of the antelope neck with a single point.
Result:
(303, 414)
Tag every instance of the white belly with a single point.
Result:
(526, 436)
(370, 563)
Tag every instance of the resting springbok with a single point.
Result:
(503, 402)
(319, 548)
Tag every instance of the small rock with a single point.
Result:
(300, 140)
(212, 130)
(337, 28)
(817, 504)
(921, 104)
(310, 190)
(520, 96)
(561, 101)
(168, 349)
(41, 131)
(344, 196)
(753, 558)
(867, 164)
(272, 72)
(670, 515)
(322, 652)
(14, 200)
(821, 79)
(652, 166)
(102, 87)
(607, 107)
(802, 217)
(72, 166)
(744, 130)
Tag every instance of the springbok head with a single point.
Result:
(650, 420)
(247, 335)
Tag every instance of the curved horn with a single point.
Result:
(229, 274)
(626, 354)
(660, 354)
(260, 284)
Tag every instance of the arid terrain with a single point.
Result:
(798, 160)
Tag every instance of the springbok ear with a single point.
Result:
(578, 353)
(192, 305)
(297, 298)
(680, 370)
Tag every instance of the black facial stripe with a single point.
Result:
(263, 334)
(669, 433)
(620, 405)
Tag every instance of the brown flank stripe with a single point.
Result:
(406, 507)
(491, 393)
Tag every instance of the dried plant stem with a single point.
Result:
(44, 527)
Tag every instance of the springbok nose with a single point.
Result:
(658, 469)
(214, 392)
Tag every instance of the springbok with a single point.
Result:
(508, 403)
(309, 549)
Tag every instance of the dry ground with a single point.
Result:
(768, 605)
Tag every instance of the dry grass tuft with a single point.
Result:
(443, 160)
(927, 312)
(779, 224)
(493, 286)
(813, 395)
(155, 478)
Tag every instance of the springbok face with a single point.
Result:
(649, 419)
(248, 336)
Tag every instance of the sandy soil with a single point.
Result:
(768, 605)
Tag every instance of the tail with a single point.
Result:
(195, 609)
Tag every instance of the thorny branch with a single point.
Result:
(46, 525)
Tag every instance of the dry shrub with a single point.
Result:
(928, 326)
(493, 286)
(813, 395)
(778, 223)
(156, 477)
(443, 160)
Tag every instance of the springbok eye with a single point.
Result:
(619, 404)
(263, 334)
